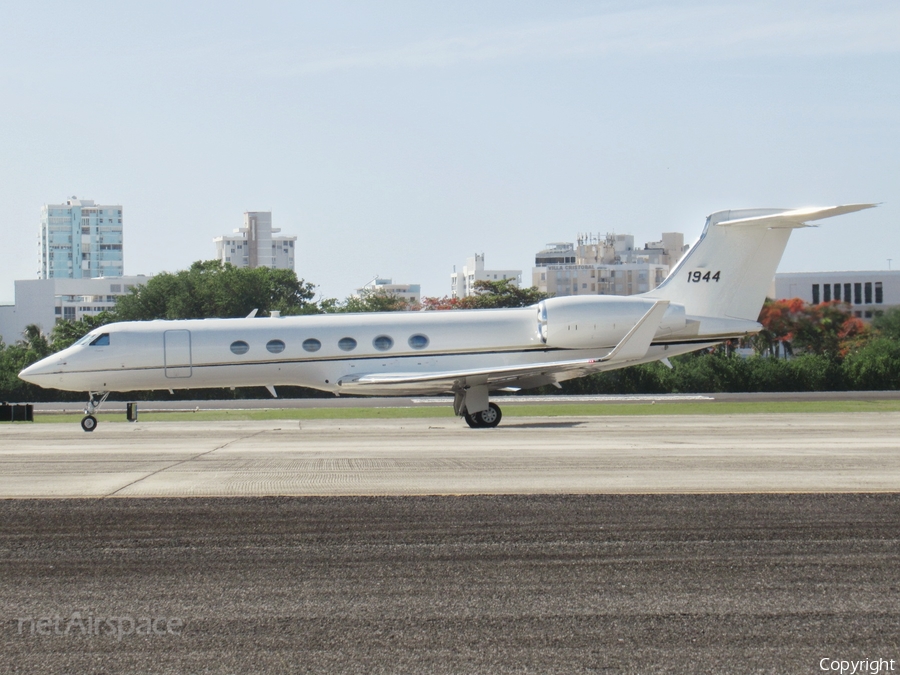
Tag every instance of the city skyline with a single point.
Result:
(400, 140)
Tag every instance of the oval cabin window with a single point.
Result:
(312, 345)
(348, 344)
(240, 347)
(382, 343)
(418, 341)
(275, 346)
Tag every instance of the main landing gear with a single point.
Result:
(486, 419)
(95, 400)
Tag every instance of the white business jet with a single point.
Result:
(714, 294)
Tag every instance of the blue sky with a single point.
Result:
(398, 138)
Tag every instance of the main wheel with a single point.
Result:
(491, 417)
(89, 423)
(486, 419)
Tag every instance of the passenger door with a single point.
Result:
(177, 353)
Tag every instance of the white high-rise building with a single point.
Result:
(80, 240)
(462, 284)
(254, 245)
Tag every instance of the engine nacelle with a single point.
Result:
(575, 322)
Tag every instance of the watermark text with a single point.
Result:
(118, 627)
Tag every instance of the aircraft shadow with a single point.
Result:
(545, 425)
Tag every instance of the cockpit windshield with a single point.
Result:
(94, 340)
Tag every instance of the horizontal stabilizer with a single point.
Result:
(795, 217)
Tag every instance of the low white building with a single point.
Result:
(44, 302)
(255, 244)
(412, 293)
(462, 284)
(866, 291)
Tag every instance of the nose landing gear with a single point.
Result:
(95, 400)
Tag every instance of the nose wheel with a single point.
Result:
(95, 400)
(485, 419)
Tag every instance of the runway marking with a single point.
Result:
(180, 462)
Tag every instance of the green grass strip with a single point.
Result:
(509, 410)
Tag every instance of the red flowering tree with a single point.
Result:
(828, 328)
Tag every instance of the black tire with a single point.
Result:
(491, 417)
(89, 423)
(486, 419)
(472, 420)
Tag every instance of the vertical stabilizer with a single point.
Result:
(730, 268)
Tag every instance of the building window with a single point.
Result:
(815, 294)
(347, 344)
(847, 293)
(240, 347)
(312, 345)
(826, 295)
(275, 346)
(879, 293)
(837, 291)
(868, 292)
(857, 293)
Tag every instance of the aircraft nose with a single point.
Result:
(36, 371)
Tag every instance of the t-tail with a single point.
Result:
(727, 273)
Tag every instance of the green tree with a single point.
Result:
(887, 324)
(211, 289)
(503, 293)
(874, 366)
(35, 342)
(374, 301)
(488, 295)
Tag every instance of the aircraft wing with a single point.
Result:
(632, 347)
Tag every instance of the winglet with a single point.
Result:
(636, 343)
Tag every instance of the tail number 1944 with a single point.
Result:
(697, 276)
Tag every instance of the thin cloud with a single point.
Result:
(700, 31)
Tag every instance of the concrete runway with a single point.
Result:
(168, 405)
(652, 454)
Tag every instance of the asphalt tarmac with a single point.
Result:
(475, 584)
(548, 545)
